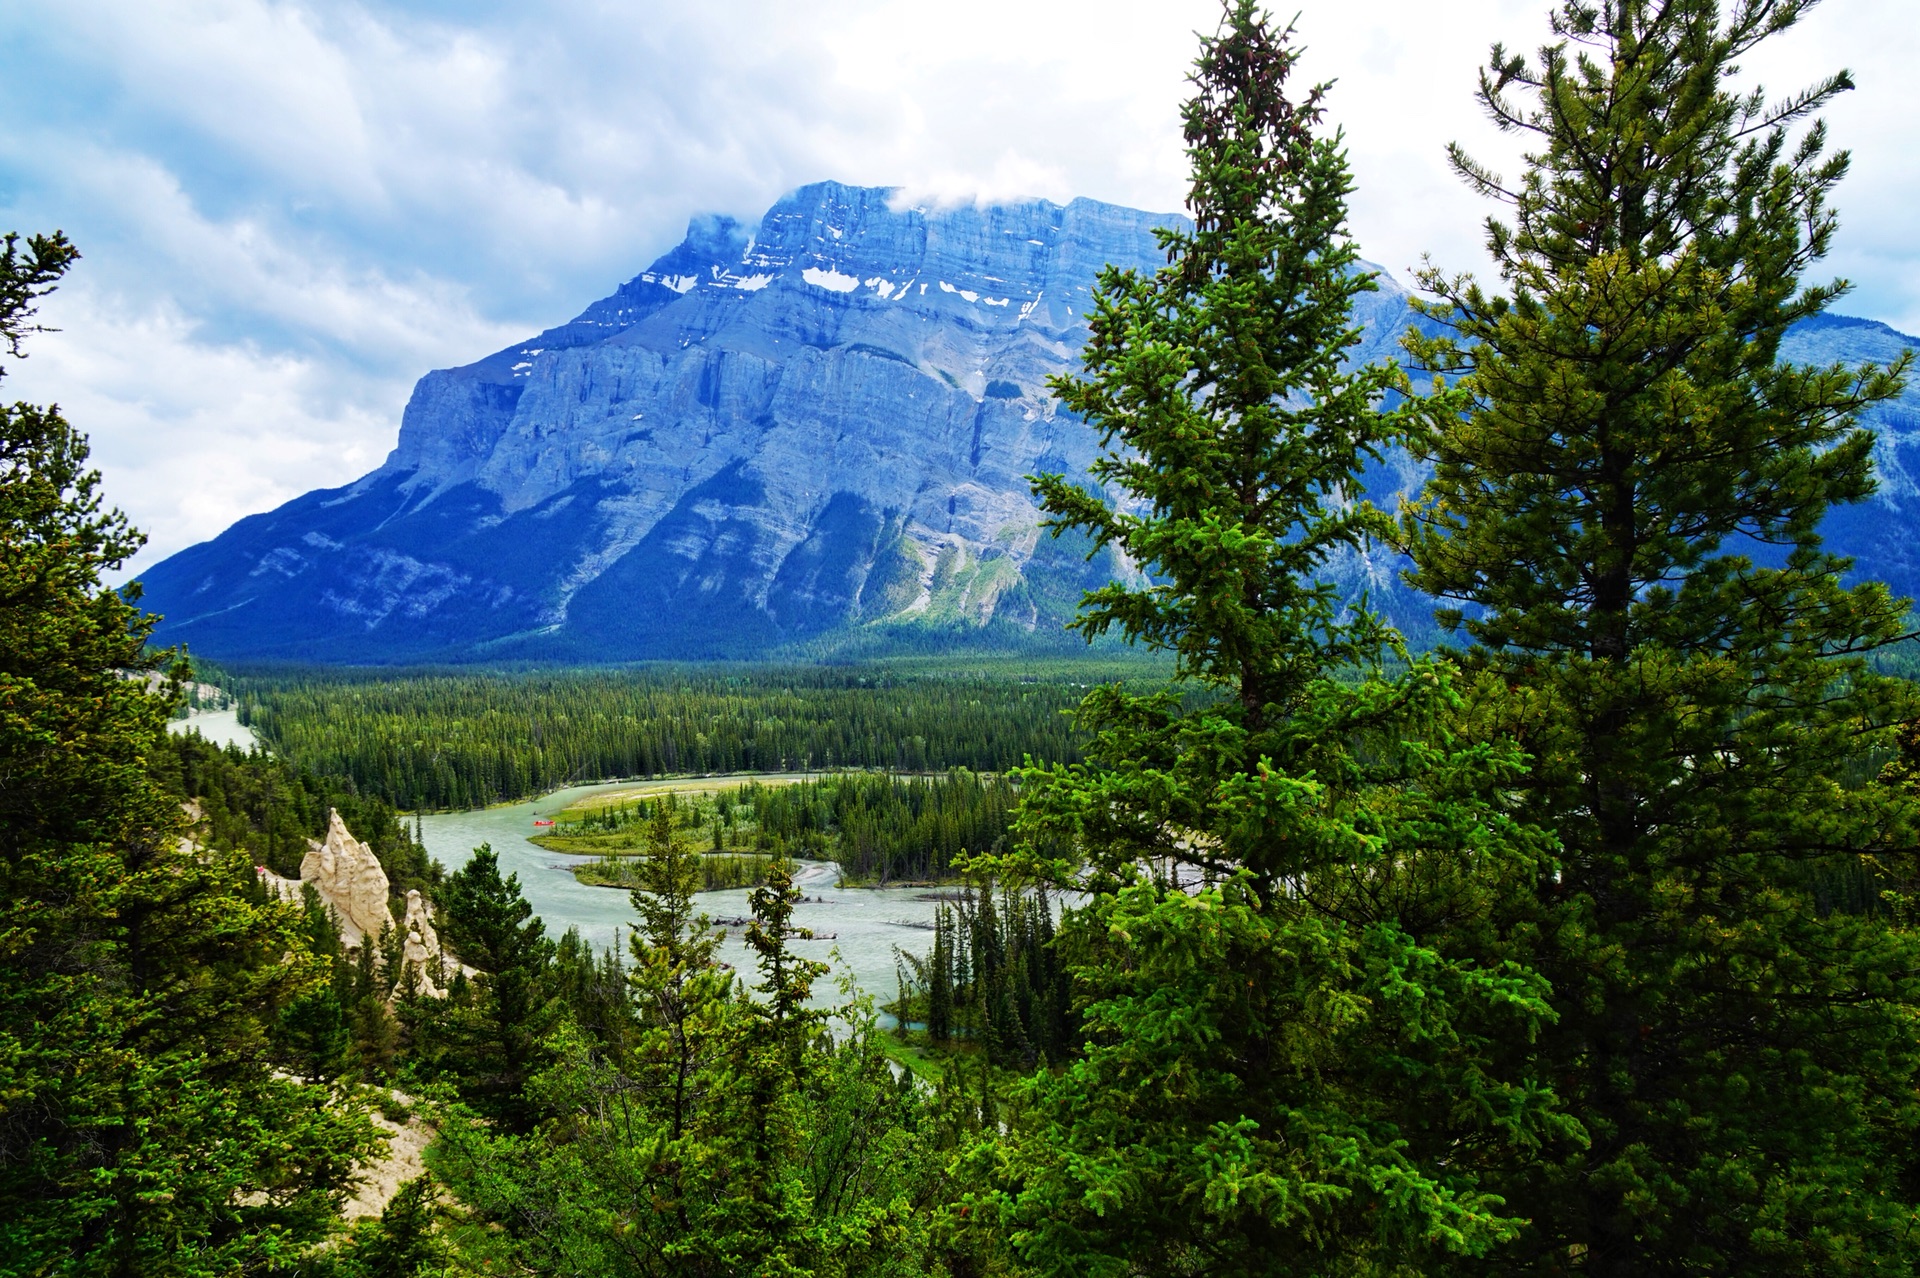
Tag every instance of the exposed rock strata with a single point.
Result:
(815, 429)
(353, 884)
(774, 433)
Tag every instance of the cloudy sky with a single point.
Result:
(290, 210)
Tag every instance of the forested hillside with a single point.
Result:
(463, 739)
(1587, 945)
(264, 806)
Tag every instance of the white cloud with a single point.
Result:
(199, 433)
(1878, 247)
(292, 208)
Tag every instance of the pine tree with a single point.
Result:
(940, 980)
(143, 1126)
(495, 1043)
(1624, 517)
(488, 922)
(593, 988)
(788, 977)
(1283, 1066)
(678, 985)
(399, 1243)
(772, 1085)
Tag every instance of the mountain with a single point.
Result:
(814, 429)
(1882, 534)
(810, 435)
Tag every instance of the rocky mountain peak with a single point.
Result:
(817, 426)
(818, 423)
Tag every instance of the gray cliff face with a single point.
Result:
(818, 426)
(821, 422)
(850, 385)
(1882, 535)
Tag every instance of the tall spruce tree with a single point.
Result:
(681, 991)
(1624, 516)
(144, 1128)
(493, 1040)
(1283, 1066)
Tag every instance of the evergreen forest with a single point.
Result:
(878, 828)
(257, 803)
(992, 981)
(1586, 942)
(460, 739)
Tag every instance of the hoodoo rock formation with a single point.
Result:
(422, 949)
(349, 878)
(353, 884)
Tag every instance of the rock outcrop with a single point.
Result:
(421, 950)
(349, 878)
(819, 426)
(353, 884)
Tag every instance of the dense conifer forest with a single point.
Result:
(258, 803)
(992, 980)
(464, 739)
(1586, 944)
(879, 828)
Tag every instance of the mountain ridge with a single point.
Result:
(690, 407)
(810, 432)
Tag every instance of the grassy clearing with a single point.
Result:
(718, 872)
(917, 1059)
(680, 786)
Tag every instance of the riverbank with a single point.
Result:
(718, 871)
(221, 727)
(867, 923)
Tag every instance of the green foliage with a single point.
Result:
(488, 1036)
(1590, 948)
(459, 740)
(314, 1037)
(65, 639)
(1291, 1011)
(404, 1241)
(143, 1128)
(366, 1024)
(593, 989)
(263, 805)
(719, 872)
(486, 920)
(881, 828)
(1623, 512)
(716, 1133)
(878, 828)
(789, 979)
(993, 979)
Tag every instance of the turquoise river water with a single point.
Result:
(857, 928)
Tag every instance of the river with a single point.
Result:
(864, 923)
(222, 727)
(857, 927)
